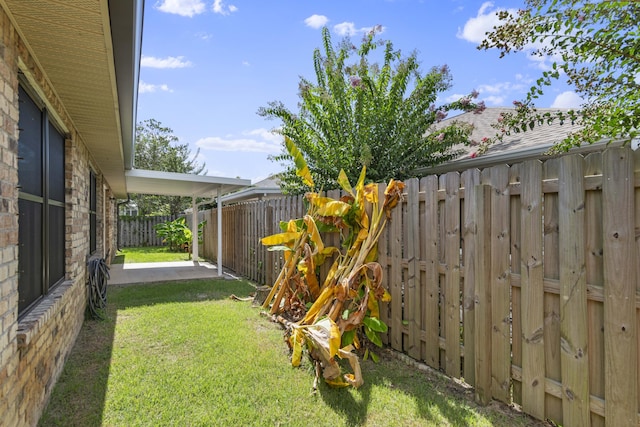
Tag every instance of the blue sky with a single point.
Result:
(207, 66)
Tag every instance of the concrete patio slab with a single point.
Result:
(148, 272)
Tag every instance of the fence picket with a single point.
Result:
(395, 278)
(412, 303)
(573, 294)
(516, 243)
(470, 179)
(500, 285)
(551, 267)
(595, 276)
(482, 312)
(452, 275)
(620, 258)
(532, 291)
(383, 260)
(429, 185)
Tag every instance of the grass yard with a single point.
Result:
(149, 254)
(185, 354)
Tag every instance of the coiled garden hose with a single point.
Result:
(97, 292)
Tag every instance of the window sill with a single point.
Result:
(30, 325)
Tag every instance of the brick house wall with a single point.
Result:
(33, 349)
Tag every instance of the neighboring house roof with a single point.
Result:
(90, 53)
(513, 148)
(259, 190)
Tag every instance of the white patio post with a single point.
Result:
(219, 198)
(194, 230)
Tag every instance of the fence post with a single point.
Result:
(482, 312)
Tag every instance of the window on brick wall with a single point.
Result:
(93, 207)
(41, 207)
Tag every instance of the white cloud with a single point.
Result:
(168, 62)
(494, 100)
(524, 79)
(543, 63)
(204, 36)
(475, 28)
(181, 7)
(348, 29)
(150, 88)
(257, 141)
(499, 88)
(223, 9)
(316, 21)
(246, 63)
(497, 94)
(568, 99)
(345, 29)
(453, 98)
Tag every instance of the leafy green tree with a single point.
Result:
(367, 114)
(595, 46)
(157, 148)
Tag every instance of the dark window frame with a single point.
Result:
(41, 204)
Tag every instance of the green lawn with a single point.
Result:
(150, 254)
(185, 354)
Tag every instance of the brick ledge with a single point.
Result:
(30, 325)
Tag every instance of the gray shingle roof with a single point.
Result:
(541, 136)
(513, 148)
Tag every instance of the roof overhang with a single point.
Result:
(140, 181)
(251, 193)
(89, 53)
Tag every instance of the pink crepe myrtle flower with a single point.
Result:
(473, 155)
(355, 81)
(480, 107)
(440, 137)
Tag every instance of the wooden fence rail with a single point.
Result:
(139, 230)
(524, 280)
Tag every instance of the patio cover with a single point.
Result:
(140, 181)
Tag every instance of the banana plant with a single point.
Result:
(330, 318)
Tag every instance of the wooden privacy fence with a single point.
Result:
(139, 231)
(523, 280)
